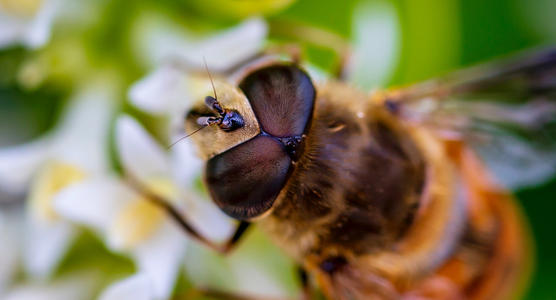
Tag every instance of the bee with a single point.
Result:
(381, 195)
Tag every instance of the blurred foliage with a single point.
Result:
(89, 253)
(437, 36)
(236, 9)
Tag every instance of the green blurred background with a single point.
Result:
(437, 36)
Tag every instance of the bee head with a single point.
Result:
(254, 132)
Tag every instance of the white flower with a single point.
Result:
(76, 286)
(158, 39)
(132, 224)
(170, 89)
(26, 22)
(136, 287)
(75, 150)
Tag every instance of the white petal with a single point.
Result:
(159, 40)
(19, 163)
(31, 31)
(82, 135)
(377, 43)
(225, 49)
(187, 166)
(160, 258)
(136, 287)
(80, 138)
(161, 92)
(10, 239)
(94, 202)
(207, 218)
(38, 32)
(74, 287)
(11, 29)
(169, 88)
(81, 13)
(45, 245)
(139, 152)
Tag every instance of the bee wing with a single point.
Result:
(505, 110)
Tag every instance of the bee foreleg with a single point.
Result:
(184, 223)
(306, 288)
(241, 228)
(293, 51)
(317, 37)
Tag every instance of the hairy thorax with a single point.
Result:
(357, 186)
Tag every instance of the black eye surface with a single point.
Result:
(245, 180)
(282, 97)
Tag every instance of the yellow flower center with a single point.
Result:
(140, 219)
(51, 179)
(163, 188)
(21, 8)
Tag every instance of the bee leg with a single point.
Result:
(291, 50)
(233, 241)
(317, 37)
(339, 70)
(342, 69)
(306, 289)
(184, 223)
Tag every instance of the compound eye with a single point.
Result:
(245, 180)
(282, 97)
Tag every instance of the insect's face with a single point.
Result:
(255, 131)
(215, 139)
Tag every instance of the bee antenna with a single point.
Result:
(210, 77)
(185, 136)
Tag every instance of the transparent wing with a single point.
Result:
(505, 110)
